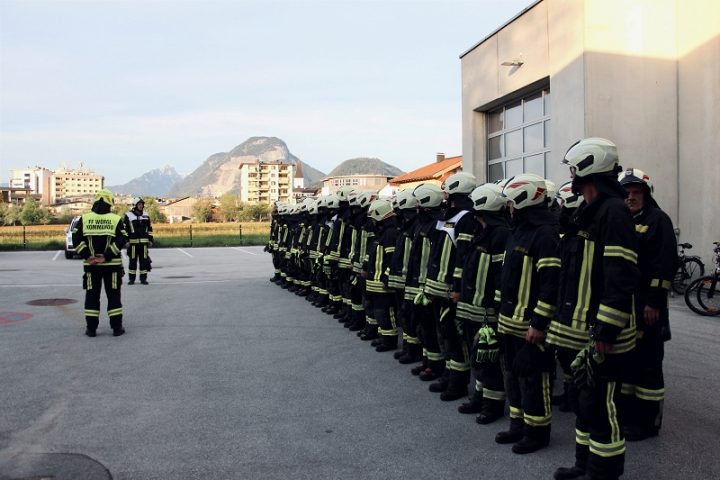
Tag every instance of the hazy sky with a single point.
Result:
(128, 86)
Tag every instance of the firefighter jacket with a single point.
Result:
(528, 288)
(100, 232)
(138, 227)
(480, 283)
(401, 257)
(340, 234)
(366, 235)
(657, 261)
(380, 252)
(450, 243)
(274, 232)
(598, 277)
(419, 257)
(317, 237)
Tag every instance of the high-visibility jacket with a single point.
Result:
(598, 278)
(528, 291)
(138, 226)
(100, 233)
(480, 284)
(450, 243)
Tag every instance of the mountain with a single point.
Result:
(220, 173)
(365, 166)
(157, 183)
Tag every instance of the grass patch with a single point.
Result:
(211, 241)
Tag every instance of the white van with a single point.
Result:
(69, 247)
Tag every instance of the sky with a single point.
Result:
(128, 86)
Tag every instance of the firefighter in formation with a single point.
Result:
(489, 288)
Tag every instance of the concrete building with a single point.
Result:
(37, 179)
(642, 73)
(435, 172)
(368, 182)
(266, 182)
(75, 183)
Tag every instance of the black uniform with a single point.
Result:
(644, 389)
(139, 229)
(599, 276)
(382, 298)
(101, 233)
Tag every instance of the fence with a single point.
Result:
(52, 237)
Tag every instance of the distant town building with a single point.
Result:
(37, 179)
(369, 182)
(266, 182)
(16, 195)
(179, 210)
(68, 183)
(435, 172)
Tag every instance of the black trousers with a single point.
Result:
(424, 320)
(138, 254)
(489, 382)
(452, 344)
(643, 390)
(529, 393)
(93, 281)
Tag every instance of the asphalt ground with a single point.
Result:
(223, 375)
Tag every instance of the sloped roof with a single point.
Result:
(430, 171)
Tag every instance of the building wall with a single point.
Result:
(358, 182)
(643, 73)
(75, 183)
(257, 182)
(38, 179)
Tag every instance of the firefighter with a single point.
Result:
(566, 351)
(380, 252)
(528, 296)
(362, 226)
(139, 228)
(452, 236)
(406, 210)
(99, 237)
(335, 256)
(273, 242)
(430, 199)
(644, 392)
(479, 302)
(598, 278)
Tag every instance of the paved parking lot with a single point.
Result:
(223, 375)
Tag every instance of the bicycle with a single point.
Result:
(703, 295)
(690, 268)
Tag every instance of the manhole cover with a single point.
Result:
(9, 269)
(179, 276)
(51, 302)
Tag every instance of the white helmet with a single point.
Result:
(332, 201)
(343, 193)
(428, 195)
(137, 200)
(461, 182)
(567, 198)
(380, 210)
(637, 176)
(526, 190)
(488, 198)
(363, 199)
(406, 200)
(592, 155)
(551, 191)
(313, 207)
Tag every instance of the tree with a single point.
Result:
(202, 210)
(120, 209)
(153, 210)
(229, 207)
(259, 211)
(33, 214)
(8, 213)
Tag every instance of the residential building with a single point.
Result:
(75, 183)
(16, 195)
(266, 182)
(368, 182)
(644, 74)
(179, 210)
(435, 172)
(37, 179)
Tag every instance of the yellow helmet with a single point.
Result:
(106, 196)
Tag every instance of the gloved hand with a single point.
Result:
(485, 347)
(421, 299)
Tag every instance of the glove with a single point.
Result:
(421, 299)
(485, 348)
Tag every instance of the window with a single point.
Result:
(519, 137)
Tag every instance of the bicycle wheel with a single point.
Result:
(708, 295)
(691, 297)
(690, 270)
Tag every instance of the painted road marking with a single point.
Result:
(57, 254)
(186, 253)
(46, 285)
(243, 251)
(13, 317)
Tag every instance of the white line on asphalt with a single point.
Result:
(57, 254)
(46, 285)
(243, 251)
(183, 251)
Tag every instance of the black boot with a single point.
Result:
(413, 354)
(131, 279)
(370, 333)
(534, 438)
(387, 343)
(442, 383)
(376, 341)
(401, 352)
(513, 435)
(90, 332)
(577, 471)
(418, 369)
(457, 386)
(473, 405)
(118, 331)
(143, 278)
(491, 411)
